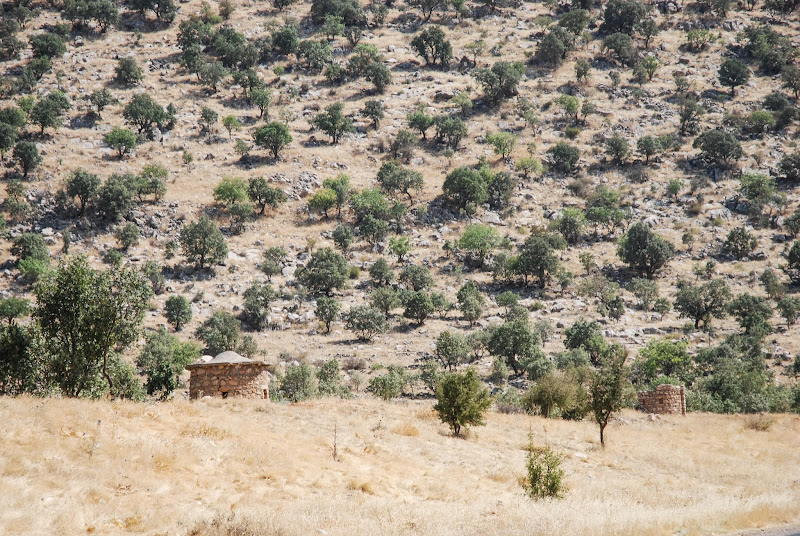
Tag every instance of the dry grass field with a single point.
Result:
(251, 467)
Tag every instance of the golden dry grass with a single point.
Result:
(77, 467)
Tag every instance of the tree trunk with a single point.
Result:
(107, 376)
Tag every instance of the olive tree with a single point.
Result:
(324, 272)
(273, 137)
(366, 322)
(719, 146)
(643, 250)
(333, 122)
(202, 243)
(122, 140)
(86, 317)
(733, 73)
(461, 399)
(178, 311)
(501, 80)
(702, 302)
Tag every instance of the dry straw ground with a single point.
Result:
(78, 467)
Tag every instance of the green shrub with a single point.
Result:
(451, 350)
(644, 250)
(220, 332)
(719, 146)
(178, 311)
(128, 72)
(462, 400)
(553, 391)
(662, 358)
(739, 243)
(645, 291)
(617, 148)
(327, 311)
(732, 73)
(545, 476)
(564, 157)
(620, 47)
(389, 385)
(27, 156)
(324, 272)
(255, 309)
(47, 45)
(32, 269)
(30, 246)
(366, 322)
(500, 81)
(499, 373)
(202, 243)
(123, 140)
(299, 383)
(330, 380)
(127, 235)
(162, 361)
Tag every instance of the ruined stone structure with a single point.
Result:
(663, 399)
(229, 375)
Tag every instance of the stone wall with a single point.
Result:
(663, 399)
(247, 380)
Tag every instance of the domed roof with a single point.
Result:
(229, 357)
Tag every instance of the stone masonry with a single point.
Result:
(229, 375)
(663, 399)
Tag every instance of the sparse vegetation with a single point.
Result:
(360, 195)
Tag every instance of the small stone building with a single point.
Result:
(663, 399)
(229, 374)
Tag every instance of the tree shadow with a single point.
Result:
(87, 120)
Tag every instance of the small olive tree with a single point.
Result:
(462, 400)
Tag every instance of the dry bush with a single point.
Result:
(405, 428)
(363, 486)
(354, 363)
(759, 423)
(581, 186)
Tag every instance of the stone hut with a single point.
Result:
(229, 374)
(663, 399)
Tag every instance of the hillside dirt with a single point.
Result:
(512, 33)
